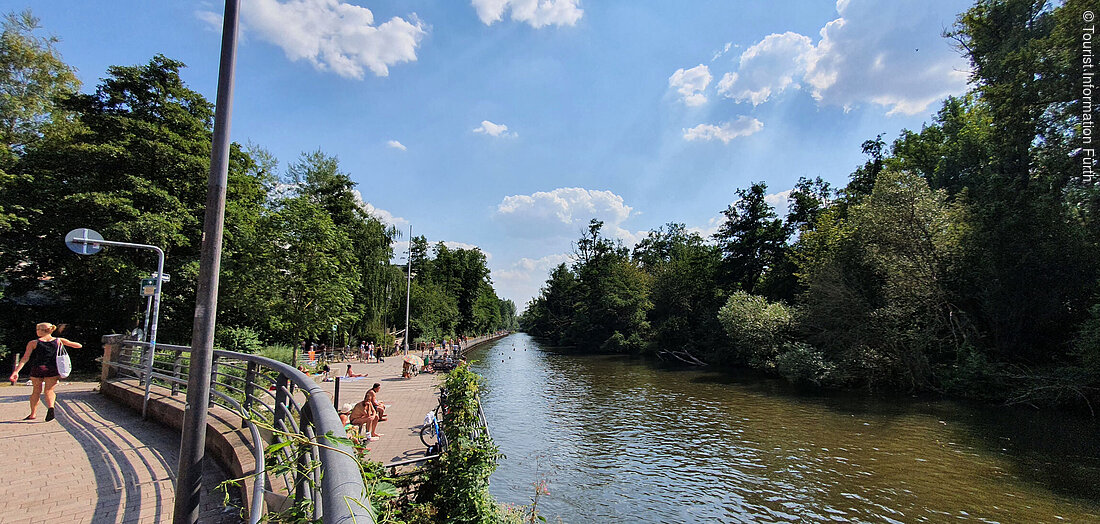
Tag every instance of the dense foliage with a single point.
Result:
(131, 160)
(961, 258)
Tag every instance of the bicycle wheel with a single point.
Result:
(427, 435)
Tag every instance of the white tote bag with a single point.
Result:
(64, 365)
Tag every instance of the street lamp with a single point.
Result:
(86, 241)
(408, 288)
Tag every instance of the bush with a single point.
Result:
(801, 363)
(756, 327)
(461, 482)
(239, 339)
(280, 352)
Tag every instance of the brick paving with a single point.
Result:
(97, 462)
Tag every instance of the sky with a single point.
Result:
(509, 124)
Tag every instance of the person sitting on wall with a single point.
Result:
(363, 414)
(352, 374)
(372, 397)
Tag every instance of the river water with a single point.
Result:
(619, 439)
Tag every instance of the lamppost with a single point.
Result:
(193, 436)
(85, 241)
(408, 288)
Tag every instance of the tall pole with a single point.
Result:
(193, 439)
(408, 288)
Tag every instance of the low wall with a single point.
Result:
(228, 441)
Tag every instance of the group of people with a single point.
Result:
(366, 414)
(368, 351)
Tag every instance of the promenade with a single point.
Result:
(409, 400)
(97, 462)
(100, 462)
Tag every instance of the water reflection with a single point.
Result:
(622, 440)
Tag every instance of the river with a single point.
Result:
(618, 439)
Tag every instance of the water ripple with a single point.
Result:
(620, 441)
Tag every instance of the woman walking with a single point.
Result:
(42, 354)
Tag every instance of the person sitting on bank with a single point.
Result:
(352, 374)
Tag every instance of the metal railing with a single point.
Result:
(262, 389)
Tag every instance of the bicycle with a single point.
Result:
(431, 433)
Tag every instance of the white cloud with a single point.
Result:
(691, 83)
(563, 213)
(396, 145)
(536, 13)
(212, 20)
(385, 216)
(766, 68)
(725, 49)
(889, 54)
(491, 129)
(743, 126)
(451, 244)
(522, 280)
(331, 34)
(780, 201)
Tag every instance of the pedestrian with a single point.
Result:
(42, 354)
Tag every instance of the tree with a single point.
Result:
(684, 291)
(134, 168)
(303, 276)
(33, 79)
(877, 299)
(752, 239)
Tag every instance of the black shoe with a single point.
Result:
(49, 414)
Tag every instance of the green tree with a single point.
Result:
(752, 239)
(135, 168)
(877, 299)
(303, 276)
(684, 291)
(33, 79)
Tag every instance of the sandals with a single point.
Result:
(29, 417)
(49, 414)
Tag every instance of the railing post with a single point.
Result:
(301, 491)
(149, 356)
(281, 409)
(336, 395)
(177, 370)
(213, 371)
(249, 386)
(112, 346)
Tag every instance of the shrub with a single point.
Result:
(801, 363)
(756, 327)
(280, 352)
(240, 339)
(461, 482)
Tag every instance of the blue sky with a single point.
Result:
(508, 124)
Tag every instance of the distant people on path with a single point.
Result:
(42, 355)
(352, 374)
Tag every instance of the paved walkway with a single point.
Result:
(98, 462)
(409, 399)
